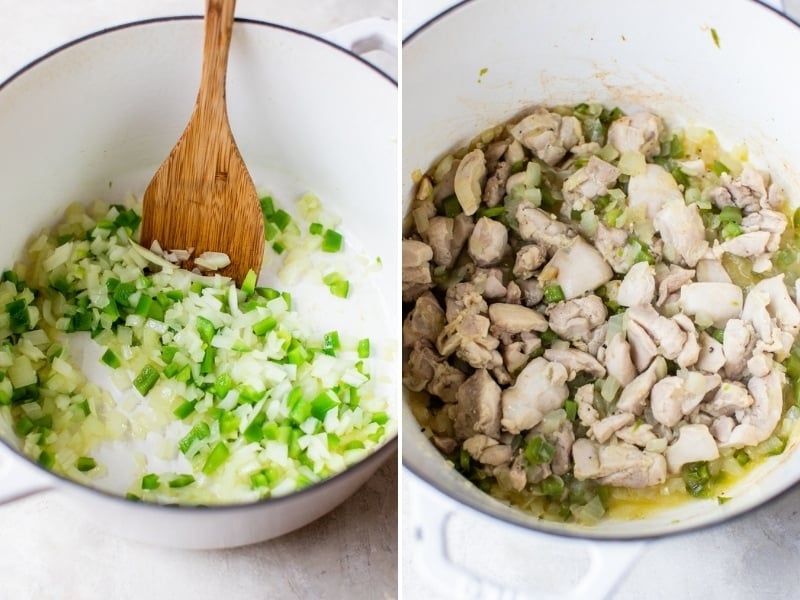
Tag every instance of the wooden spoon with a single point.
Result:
(202, 195)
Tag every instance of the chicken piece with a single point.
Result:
(767, 220)
(698, 386)
(634, 395)
(710, 270)
(516, 354)
(468, 336)
(746, 245)
(760, 364)
(672, 281)
(760, 419)
(513, 318)
(575, 361)
(597, 342)
(639, 434)
(588, 183)
(447, 236)
(548, 135)
(495, 188)
(780, 306)
(721, 428)
(694, 443)
(666, 333)
(562, 439)
(719, 302)
(540, 387)
(643, 348)
(665, 400)
(653, 189)
(611, 242)
(756, 313)
(490, 283)
(577, 269)
(721, 197)
(513, 293)
(711, 358)
(620, 465)
(574, 320)
(747, 191)
(681, 227)
(416, 269)
(532, 292)
(424, 322)
(603, 430)
(478, 408)
(584, 398)
(494, 153)
(439, 236)
(487, 451)
(618, 360)
(731, 396)
(488, 242)
(529, 259)
(446, 445)
(469, 181)
(676, 396)
(639, 132)
(737, 345)
(418, 370)
(638, 285)
(690, 353)
(540, 227)
(445, 381)
(463, 297)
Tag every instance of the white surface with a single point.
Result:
(751, 557)
(50, 553)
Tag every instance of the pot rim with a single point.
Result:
(420, 29)
(565, 532)
(379, 455)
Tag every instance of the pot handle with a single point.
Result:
(609, 561)
(369, 35)
(19, 480)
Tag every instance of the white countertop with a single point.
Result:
(752, 557)
(49, 551)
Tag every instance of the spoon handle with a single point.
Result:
(218, 27)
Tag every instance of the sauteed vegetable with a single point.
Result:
(600, 311)
(220, 394)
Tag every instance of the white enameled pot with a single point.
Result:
(483, 62)
(94, 119)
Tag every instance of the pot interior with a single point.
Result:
(692, 64)
(94, 120)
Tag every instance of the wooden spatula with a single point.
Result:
(202, 196)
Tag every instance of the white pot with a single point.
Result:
(307, 116)
(627, 53)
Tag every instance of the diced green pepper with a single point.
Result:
(150, 482)
(218, 455)
(181, 481)
(553, 293)
(332, 241)
(85, 463)
(185, 409)
(111, 359)
(206, 329)
(146, 379)
(322, 404)
(538, 451)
